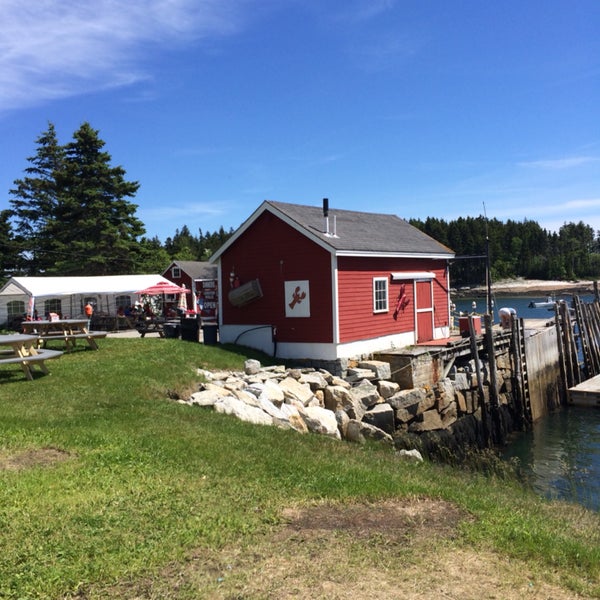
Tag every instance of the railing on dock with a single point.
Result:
(588, 325)
(578, 341)
(521, 373)
(568, 350)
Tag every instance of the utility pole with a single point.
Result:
(488, 275)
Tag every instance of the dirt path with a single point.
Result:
(381, 551)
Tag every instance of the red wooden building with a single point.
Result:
(198, 277)
(310, 282)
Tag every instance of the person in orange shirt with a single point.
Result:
(89, 311)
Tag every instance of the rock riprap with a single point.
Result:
(365, 405)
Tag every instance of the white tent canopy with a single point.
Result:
(72, 290)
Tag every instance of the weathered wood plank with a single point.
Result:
(587, 393)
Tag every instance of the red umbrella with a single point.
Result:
(163, 287)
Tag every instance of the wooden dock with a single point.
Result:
(586, 393)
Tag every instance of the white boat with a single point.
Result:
(548, 303)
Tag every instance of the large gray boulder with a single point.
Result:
(251, 366)
(382, 417)
(244, 412)
(450, 414)
(337, 397)
(207, 397)
(335, 380)
(320, 420)
(315, 380)
(342, 419)
(428, 421)
(268, 389)
(411, 403)
(410, 455)
(380, 369)
(271, 409)
(365, 395)
(357, 374)
(292, 388)
(246, 397)
(387, 388)
(359, 432)
(444, 394)
(294, 418)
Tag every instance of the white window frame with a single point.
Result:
(176, 272)
(53, 305)
(380, 295)
(123, 301)
(15, 308)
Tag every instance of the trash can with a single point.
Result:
(171, 330)
(209, 334)
(190, 331)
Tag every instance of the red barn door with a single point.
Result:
(424, 306)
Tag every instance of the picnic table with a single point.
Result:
(23, 350)
(67, 330)
(155, 325)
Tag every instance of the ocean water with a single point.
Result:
(560, 457)
(519, 303)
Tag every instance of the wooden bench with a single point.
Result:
(27, 362)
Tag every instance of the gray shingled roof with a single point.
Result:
(362, 231)
(197, 269)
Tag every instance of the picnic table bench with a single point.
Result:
(154, 326)
(22, 351)
(67, 330)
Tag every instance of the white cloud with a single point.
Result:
(576, 205)
(182, 211)
(367, 9)
(560, 163)
(58, 48)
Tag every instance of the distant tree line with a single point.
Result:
(71, 214)
(516, 249)
(185, 246)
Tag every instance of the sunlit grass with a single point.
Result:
(144, 480)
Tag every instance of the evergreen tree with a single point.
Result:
(153, 257)
(34, 201)
(183, 245)
(94, 231)
(9, 253)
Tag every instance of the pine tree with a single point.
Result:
(153, 258)
(34, 201)
(9, 253)
(71, 211)
(94, 230)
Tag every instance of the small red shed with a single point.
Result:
(307, 282)
(192, 274)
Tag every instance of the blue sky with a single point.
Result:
(417, 108)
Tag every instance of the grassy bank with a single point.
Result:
(109, 489)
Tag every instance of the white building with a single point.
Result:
(68, 296)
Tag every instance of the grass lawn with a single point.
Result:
(110, 489)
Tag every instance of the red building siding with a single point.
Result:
(441, 314)
(184, 279)
(273, 252)
(355, 286)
